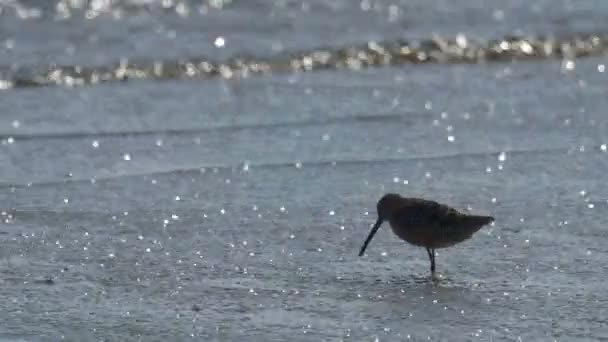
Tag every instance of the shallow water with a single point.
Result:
(230, 209)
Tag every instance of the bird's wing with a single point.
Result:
(457, 226)
(420, 212)
(442, 225)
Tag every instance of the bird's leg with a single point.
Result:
(431, 253)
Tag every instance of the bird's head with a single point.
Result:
(386, 207)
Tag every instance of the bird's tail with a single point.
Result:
(477, 220)
(467, 225)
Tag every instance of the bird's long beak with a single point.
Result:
(371, 235)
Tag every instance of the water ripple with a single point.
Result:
(437, 49)
(275, 165)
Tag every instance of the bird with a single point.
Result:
(425, 223)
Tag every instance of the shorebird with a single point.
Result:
(425, 223)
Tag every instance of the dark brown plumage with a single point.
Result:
(425, 223)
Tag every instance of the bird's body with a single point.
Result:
(425, 223)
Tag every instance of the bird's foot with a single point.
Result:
(435, 277)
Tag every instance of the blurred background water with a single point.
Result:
(228, 209)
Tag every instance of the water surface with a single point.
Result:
(229, 209)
